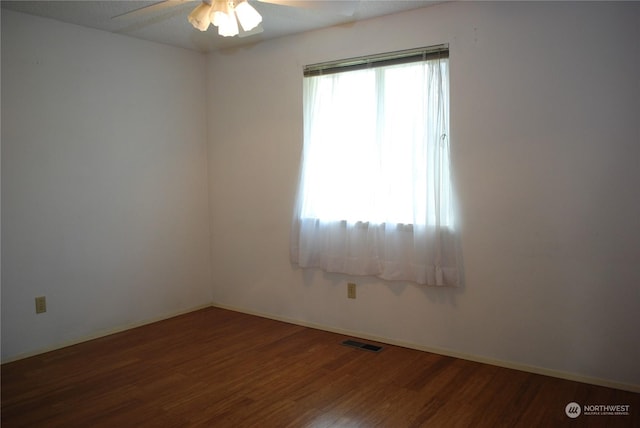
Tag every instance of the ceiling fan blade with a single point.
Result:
(156, 7)
(341, 7)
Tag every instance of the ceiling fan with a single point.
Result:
(226, 14)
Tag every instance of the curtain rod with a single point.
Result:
(377, 60)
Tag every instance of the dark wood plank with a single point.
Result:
(221, 368)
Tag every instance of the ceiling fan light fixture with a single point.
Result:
(229, 28)
(200, 17)
(219, 11)
(223, 16)
(247, 15)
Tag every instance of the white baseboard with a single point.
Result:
(480, 359)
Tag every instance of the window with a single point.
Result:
(375, 194)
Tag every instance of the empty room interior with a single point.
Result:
(150, 173)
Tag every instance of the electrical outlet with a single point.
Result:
(41, 304)
(351, 290)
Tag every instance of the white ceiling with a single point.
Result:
(170, 25)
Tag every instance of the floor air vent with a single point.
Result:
(363, 346)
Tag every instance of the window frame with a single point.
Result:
(416, 55)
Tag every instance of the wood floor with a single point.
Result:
(218, 368)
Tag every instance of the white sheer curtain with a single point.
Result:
(375, 194)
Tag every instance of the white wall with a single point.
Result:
(104, 183)
(545, 139)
